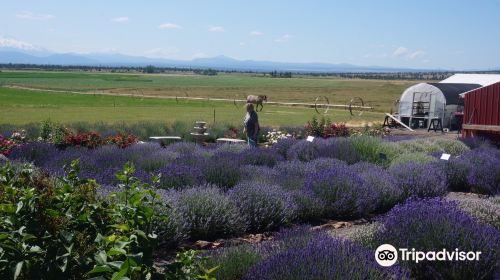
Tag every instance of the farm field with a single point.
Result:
(21, 106)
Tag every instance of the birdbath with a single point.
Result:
(199, 133)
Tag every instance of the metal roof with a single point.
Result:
(481, 79)
(452, 91)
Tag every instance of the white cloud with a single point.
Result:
(199, 55)
(416, 54)
(162, 52)
(169, 25)
(400, 51)
(13, 43)
(283, 39)
(216, 29)
(256, 33)
(242, 43)
(32, 16)
(120, 19)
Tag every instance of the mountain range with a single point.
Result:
(16, 56)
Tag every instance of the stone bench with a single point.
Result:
(230, 141)
(163, 139)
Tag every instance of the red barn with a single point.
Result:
(482, 112)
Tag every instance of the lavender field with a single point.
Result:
(398, 187)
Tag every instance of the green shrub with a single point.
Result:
(453, 147)
(412, 157)
(367, 147)
(234, 262)
(61, 229)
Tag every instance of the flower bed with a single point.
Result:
(226, 191)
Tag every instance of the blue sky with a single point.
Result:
(419, 34)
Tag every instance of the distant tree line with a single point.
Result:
(423, 75)
(276, 74)
(206, 72)
(438, 75)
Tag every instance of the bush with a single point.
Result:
(37, 153)
(259, 157)
(419, 146)
(486, 210)
(303, 150)
(456, 171)
(420, 180)
(323, 258)
(381, 183)
(233, 262)
(338, 148)
(222, 170)
(264, 207)
(309, 207)
(484, 174)
(291, 174)
(434, 224)
(178, 176)
(207, 213)
(367, 148)
(415, 157)
(321, 164)
(453, 147)
(344, 192)
(475, 142)
(61, 229)
(281, 148)
(258, 174)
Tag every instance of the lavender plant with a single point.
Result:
(207, 213)
(383, 185)
(435, 224)
(303, 151)
(344, 192)
(420, 180)
(484, 174)
(281, 148)
(222, 170)
(264, 207)
(179, 176)
(323, 258)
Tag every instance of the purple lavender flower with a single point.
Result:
(222, 169)
(303, 151)
(291, 174)
(264, 207)
(483, 173)
(381, 183)
(344, 192)
(324, 258)
(420, 179)
(258, 174)
(206, 213)
(339, 147)
(180, 175)
(434, 224)
(281, 148)
(260, 157)
(309, 207)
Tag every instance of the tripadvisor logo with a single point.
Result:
(387, 255)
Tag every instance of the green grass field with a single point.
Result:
(20, 106)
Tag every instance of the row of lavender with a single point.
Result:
(430, 224)
(227, 190)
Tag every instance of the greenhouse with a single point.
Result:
(426, 101)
